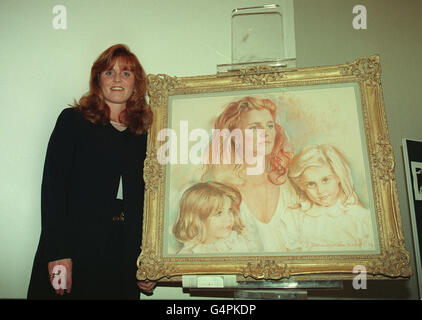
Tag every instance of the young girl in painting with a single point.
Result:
(329, 216)
(208, 220)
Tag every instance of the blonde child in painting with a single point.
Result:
(208, 220)
(329, 216)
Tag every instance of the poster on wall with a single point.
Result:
(412, 154)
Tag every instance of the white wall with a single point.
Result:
(43, 70)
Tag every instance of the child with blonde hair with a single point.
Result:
(208, 220)
(328, 216)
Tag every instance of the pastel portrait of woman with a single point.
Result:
(265, 195)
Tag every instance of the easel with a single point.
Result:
(228, 285)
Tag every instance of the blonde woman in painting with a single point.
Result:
(265, 195)
(208, 220)
(329, 216)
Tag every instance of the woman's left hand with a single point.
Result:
(146, 286)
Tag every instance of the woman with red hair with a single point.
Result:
(92, 188)
(265, 194)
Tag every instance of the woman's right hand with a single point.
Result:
(55, 277)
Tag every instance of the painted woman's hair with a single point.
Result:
(231, 118)
(197, 203)
(318, 156)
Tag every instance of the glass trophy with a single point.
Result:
(259, 38)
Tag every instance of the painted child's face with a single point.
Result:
(321, 185)
(220, 223)
(260, 119)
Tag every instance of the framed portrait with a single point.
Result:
(268, 173)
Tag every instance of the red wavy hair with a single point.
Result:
(279, 158)
(137, 114)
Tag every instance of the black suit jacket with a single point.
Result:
(82, 170)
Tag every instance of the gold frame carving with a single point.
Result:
(392, 261)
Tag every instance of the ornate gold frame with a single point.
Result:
(393, 261)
